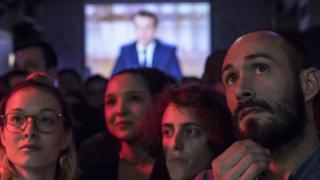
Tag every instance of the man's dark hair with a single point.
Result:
(147, 14)
(155, 79)
(95, 78)
(49, 53)
(212, 72)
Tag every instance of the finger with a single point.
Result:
(254, 170)
(240, 151)
(244, 164)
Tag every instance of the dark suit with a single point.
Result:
(164, 58)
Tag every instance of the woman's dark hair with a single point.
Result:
(207, 105)
(155, 79)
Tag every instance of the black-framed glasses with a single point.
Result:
(45, 121)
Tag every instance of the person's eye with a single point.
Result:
(135, 98)
(110, 102)
(192, 132)
(261, 68)
(167, 132)
(15, 119)
(47, 120)
(231, 78)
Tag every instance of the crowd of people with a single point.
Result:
(253, 115)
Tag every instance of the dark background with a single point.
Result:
(61, 22)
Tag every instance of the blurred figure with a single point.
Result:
(195, 128)
(212, 71)
(36, 134)
(36, 56)
(316, 108)
(190, 80)
(69, 81)
(147, 51)
(10, 79)
(94, 88)
(129, 99)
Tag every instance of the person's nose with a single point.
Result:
(121, 106)
(30, 130)
(177, 141)
(245, 91)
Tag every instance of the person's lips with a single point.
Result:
(30, 147)
(249, 111)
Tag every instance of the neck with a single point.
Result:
(44, 173)
(133, 152)
(285, 160)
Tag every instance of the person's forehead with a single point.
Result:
(268, 43)
(28, 96)
(127, 82)
(32, 50)
(30, 54)
(143, 19)
(179, 115)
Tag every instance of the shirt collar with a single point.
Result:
(149, 47)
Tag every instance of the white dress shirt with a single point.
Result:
(147, 55)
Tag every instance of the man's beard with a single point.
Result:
(286, 124)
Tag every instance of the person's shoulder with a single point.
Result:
(128, 45)
(164, 44)
(105, 169)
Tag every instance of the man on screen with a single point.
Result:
(147, 51)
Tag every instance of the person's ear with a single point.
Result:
(310, 83)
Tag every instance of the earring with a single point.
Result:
(62, 160)
(5, 158)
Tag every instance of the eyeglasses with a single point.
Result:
(45, 121)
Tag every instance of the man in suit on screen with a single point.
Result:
(147, 51)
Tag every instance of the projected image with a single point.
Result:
(185, 25)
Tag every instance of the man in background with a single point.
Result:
(147, 51)
(36, 56)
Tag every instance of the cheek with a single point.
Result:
(140, 110)
(165, 144)
(9, 142)
(200, 154)
(108, 115)
(231, 102)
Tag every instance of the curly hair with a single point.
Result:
(207, 105)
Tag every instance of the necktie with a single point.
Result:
(144, 60)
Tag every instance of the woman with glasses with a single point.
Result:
(36, 134)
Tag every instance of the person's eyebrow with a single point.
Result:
(250, 57)
(193, 124)
(166, 125)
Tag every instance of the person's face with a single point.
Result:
(68, 82)
(94, 93)
(31, 148)
(185, 143)
(262, 93)
(145, 29)
(30, 59)
(127, 103)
